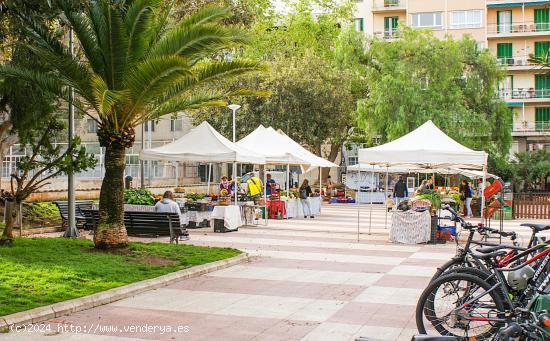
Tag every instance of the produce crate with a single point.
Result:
(506, 212)
(197, 206)
(450, 229)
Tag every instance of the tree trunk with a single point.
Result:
(334, 150)
(111, 232)
(11, 211)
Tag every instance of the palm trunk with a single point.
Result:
(11, 211)
(111, 232)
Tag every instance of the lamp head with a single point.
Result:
(233, 106)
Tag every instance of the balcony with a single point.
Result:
(387, 35)
(538, 128)
(525, 94)
(388, 5)
(518, 63)
(518, 29)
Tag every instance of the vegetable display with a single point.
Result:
(139, 196)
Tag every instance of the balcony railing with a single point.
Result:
(516, 61)
(523, 93)
(525, 127)
(524, 27)
(387, 35)
(388, 4)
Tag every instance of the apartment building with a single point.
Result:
(511, 29)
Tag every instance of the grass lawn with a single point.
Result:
(39, 271)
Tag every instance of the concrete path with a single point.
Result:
(310, 279)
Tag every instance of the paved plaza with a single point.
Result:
(308, 279)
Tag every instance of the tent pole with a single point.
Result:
(386, 198)
(265, 196)
(483, 189)
(320, 188)
(371, 195)
(287, 187)
(209, 174)
(235, 182)
(357, 201)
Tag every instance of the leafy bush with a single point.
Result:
(45, 210)
(139, 196)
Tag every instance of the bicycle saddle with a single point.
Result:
(489, 249)
(490, 255)
(537, 227)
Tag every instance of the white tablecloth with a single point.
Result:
(197, 216)
(294, 207)
(365, 197)
(231, 216)
(410, 227)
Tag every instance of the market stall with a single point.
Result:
(279, 149)
(411, 151)
(204, 144)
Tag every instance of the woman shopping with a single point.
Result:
(305, 192)
(466, 197)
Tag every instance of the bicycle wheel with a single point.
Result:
(441, 308)
(460, 261)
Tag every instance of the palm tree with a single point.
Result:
(132, 66)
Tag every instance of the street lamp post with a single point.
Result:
(234, 108)
(71, 231)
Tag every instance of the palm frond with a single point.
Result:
(106, 99)
(47, 82)
(162, 16)
(139, 21)
(83, 28)
(212, 71)
(181, 103)
(152, 77)
(113, 41)
(199, 41)
(206, 15)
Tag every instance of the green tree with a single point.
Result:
(419, 77)
(134, 65)
(531, 169)
(313, 79)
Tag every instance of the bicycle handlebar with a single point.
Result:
(465, 224)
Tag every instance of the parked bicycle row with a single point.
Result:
(489, 291)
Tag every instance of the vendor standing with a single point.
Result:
(466, 197)
(225, 185)
(400, 191)
(270, 185)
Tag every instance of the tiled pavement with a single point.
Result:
(308, 280)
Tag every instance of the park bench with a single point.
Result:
(80, 205)
(144, 223)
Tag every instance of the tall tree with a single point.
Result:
(313, 78)
(531, 169)
(419, 77)
(133, 65)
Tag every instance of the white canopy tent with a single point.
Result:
(428, 148)
(203, 144)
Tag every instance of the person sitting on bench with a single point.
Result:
(167, 204)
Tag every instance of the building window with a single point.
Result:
(504, 53)
(504, 21)
(151, 124)
(359, 24)
(390, 26)
(465, 19)
(542, 19)
(428, 19)
(92, 125)
(542, 118)
(541, 49)
(176, 124)
(542, 86)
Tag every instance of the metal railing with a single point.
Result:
(388, 35)
(523, 93)
(537, 126)
(524, 27)
(515, 61)
(381, 4)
